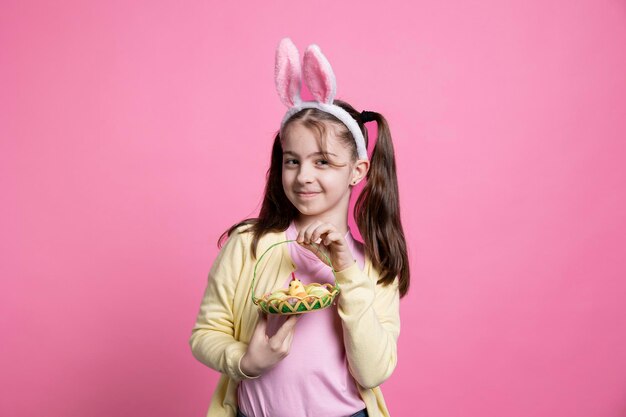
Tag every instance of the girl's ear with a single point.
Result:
(360, 171)
(318, 75)
(287, 73)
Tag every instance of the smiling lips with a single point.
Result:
(308, 194)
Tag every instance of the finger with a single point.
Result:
(286, 328)
(305, 232)
(329, 236)
(333, 237)
(288, 341)
(321, 230)
(302, 234)
(310, 229)
(300, 238)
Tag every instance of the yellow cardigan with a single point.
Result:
(370, 316)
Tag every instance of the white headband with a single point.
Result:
(321, 82)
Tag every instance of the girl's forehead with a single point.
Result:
(303, 141)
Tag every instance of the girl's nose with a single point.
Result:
(305, 174)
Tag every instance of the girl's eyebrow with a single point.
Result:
(313, 154)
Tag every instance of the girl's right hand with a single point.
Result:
(265, 352)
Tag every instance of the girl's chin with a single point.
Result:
(307, 210)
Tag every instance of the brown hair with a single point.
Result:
(377, 209)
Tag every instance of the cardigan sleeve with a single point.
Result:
(212, 338)
(370, 314)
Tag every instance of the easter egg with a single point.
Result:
(318, 291)
(278, 295)
(293, 300)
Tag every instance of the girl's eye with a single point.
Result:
(321, 162)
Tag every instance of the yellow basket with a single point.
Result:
(292, 304)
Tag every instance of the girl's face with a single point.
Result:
(318, 190)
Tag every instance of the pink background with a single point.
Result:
(133, 134)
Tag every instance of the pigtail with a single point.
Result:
(377, 212)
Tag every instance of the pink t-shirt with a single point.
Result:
(313, 380)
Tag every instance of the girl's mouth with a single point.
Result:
(307, 194)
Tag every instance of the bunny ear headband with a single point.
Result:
(320, 80)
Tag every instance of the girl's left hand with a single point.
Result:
(330, 240)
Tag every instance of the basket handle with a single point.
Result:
(254, 299)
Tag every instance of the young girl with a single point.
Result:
(328, 362)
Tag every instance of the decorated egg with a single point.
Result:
(318, 291)
(293, 300)
(278, 295)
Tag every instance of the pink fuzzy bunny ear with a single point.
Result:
(318, 75)
(287, 73)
